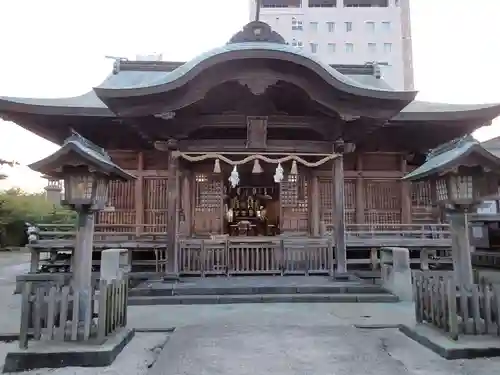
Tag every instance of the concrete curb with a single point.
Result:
(68, 355)
(463, 352)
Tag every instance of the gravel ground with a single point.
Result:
(137, 357)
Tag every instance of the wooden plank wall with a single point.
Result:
(143, 201)
(374, 194)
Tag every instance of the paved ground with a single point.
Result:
(297, 349)
(270, 338)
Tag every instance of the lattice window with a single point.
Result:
(383, 202)
(121, 203)
(421, 210)
(155, 203)
(421, 193)
(293, 193)
(350, 201)
(326, 200)
(208, 194)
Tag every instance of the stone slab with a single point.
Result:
(466, 347)
(41, 354)
(260, 298)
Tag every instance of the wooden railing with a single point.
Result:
(276, 256)
(59, 313)
(456, 309)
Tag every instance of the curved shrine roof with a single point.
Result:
(247, 44)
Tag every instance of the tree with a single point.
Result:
(18, 207)
(6, 162)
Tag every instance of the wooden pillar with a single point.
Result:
(186, 203)
(360, 191)
(315, 203)
(172, 209)
(338, 214)
(405, 195)
(139, 195)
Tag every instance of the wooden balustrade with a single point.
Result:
(304, 254)
(456, 309)
(59, 313)
(276, 256)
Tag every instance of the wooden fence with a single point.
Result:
(456, 309)
(278, 256)
(59, 313)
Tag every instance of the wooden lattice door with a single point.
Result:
(208, 204)
(155, 204)
(294, 207)
(121, 207)
(326, 201)
(421, 204)
(383, 202)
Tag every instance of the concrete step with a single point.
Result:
(164, 290)
(261, 298)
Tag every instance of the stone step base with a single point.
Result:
(159, 290)
(262, 298)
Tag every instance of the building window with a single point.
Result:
(387, 47)
(313, 26)
(331, 27)
(297, 43)
(372, 47)
(296, 24)
(314, 47)
(348, 26)
(322, 3)
(370, 26)
(386, 25)
(332, 47)
(281, 3)
(349, 48)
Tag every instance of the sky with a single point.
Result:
(57, 48)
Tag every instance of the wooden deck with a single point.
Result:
(219, 254)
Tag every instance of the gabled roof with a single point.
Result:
(88, 152)
(449, 155)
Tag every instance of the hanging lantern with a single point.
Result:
(234, 178)
(278, 175)
(217, 169)
(292, 176)
(256, 167)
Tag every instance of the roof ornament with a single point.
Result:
(257, 31)
(116, 63)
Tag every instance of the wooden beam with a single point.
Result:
(360, 191)
(172, 205)
(315, 206)
(338, 214)
(236, 145)
(139, 193)
(405, 194)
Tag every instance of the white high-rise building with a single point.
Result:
(348, 32)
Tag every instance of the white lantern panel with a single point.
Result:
(80, 187)
(461, 187)
(441, 190)
(101, 194)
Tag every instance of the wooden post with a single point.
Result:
(186, 203)
(172, 205)
(462, 265)
(338, 214)
(405, 195)
(360, 191)
(82, 258)
(139, 195)
(315, 203)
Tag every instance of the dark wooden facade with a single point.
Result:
(352, 136)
